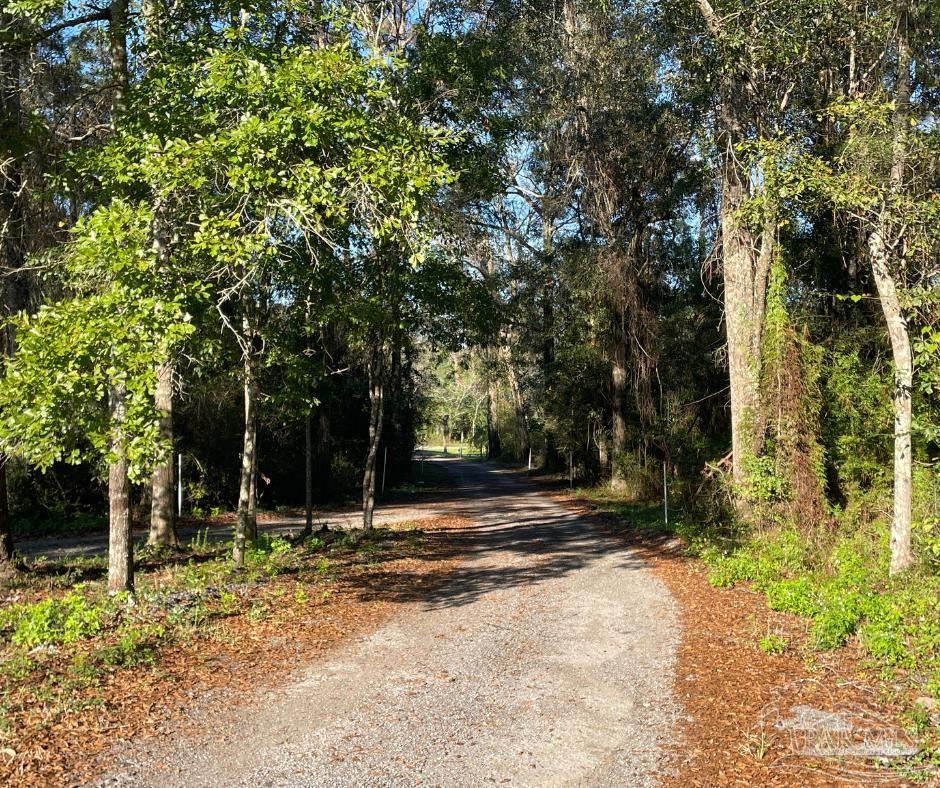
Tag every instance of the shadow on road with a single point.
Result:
(518, 536)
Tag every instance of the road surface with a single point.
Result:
(546, 659)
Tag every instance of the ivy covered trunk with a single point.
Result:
(162, 519)
(618, 394)
(120, 541)
(790, 478)
(376, 416)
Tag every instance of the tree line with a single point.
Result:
(689, 238)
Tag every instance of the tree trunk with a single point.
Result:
(252, 528)
(7, 556)
(603, 451)
(117, 47)
(745, 269)
(376, 415)
(552, 459)
(745, 295)
(884, 250)
(618, 400)
(901, 554)
(324, 450)
(244, 528)
(12, 251)
(120, 539)
(162, 515)
(493, 446)
(308, 476)
(522, 419)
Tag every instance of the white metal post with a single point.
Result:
(530, 458)
(665, 496)
(179, 485)
(384, 468)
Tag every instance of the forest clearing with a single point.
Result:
(454, 392)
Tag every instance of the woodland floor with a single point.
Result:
(526, 640)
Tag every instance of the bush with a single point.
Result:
(268, 554)
(902, 626)
(793, 595)
(640, 481)
(840, 613)
(763, 560)
(727, 570)
(52, 621)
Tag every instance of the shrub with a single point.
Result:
(727, 570)
(52, 621)
(268, 554)
(839, 615)
(136, 645)
(793, 595)
(902, 626)
(639, 481)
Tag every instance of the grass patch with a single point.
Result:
(842, 586)
(52, 621)
(773, 644)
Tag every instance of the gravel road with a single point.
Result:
(546, 659)
(61, 547)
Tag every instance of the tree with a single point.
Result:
(81, 386)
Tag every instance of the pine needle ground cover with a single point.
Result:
(78, 667)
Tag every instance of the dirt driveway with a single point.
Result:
(545, 659)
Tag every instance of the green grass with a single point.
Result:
(453, 450)
(425, 477)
